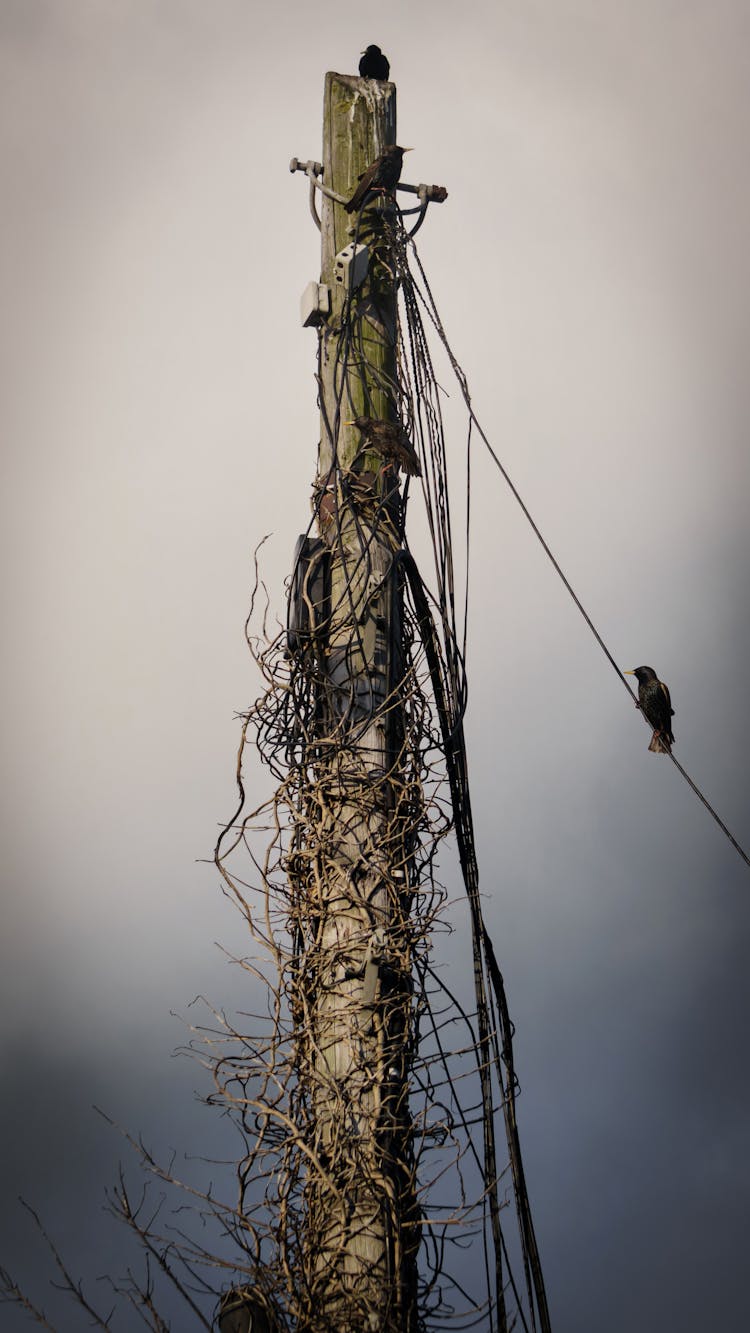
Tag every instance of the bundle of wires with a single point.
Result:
(445, 1070)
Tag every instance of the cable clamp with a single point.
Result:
(376, 946)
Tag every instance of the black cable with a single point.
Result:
(455, 753)
(449, 689)
(461, 377)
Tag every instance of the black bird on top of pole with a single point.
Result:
(374, 65)
(383, 174)
(654, 700)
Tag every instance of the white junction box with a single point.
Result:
(315, 304)
(350, 266)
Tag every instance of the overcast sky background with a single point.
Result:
(158, 418)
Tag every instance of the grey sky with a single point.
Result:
(158, 417)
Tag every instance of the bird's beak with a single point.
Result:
(347, 423)
(408, 150)
(627, 673)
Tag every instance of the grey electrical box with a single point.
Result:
(309, 593)
(350, 266)
(315, 304)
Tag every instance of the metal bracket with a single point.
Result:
(373, 958)
(312, 170)
(427, 194)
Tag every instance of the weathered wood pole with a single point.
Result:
(359, 122)
(362, 1225)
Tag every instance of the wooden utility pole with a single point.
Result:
(359, 122)
(353, 1018)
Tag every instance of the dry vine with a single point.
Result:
(365, 1094)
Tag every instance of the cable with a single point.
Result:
(448, 677)
(710, 809)
(461, 377)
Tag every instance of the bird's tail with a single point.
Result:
(660, 744)
(356, 200)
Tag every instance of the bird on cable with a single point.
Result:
(654, 700)
(374, 65)
(383, 174)
(391, 440)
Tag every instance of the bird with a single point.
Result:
(382, 174)
(374, 65)
(391, 440)
(654, 700)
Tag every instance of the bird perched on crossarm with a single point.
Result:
(654, 700)
(391, 440)
(383, 174)
(374, 65)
